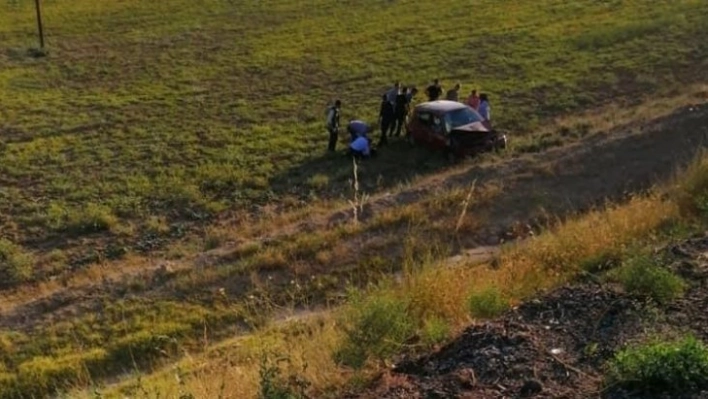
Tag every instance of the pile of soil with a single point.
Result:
(556, 346)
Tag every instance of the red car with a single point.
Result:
(452, 127)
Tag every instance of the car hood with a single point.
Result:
(475, 127)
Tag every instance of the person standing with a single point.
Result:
(485, 110)
(401, 110)
(392, 93)
(333, 114)
(434, 91)
(473, 100)
(386, 118)
(454, 93)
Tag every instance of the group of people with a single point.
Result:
(479, 103)
(359, 143)
(393, 114)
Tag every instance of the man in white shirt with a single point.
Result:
(333, 115)
(392, 93)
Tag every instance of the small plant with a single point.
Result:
(378, 328)
(318, 181)
(15, 264)
(692, 192)
(435, 330)
(661, 366)
(274, 386)
(488, 303)
(642, 276)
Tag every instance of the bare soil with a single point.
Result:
(556, 346)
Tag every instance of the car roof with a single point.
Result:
(439, 106)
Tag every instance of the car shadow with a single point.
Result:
(331, 175)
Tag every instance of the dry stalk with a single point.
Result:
(465, 204)
(359, 199)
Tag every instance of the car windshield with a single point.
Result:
(461, 117)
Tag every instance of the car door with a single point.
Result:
(423, 127)
(438, 132)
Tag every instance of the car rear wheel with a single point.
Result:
(410, 139)
(500, 143)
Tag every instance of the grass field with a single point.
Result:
(157, 130)
(148, 116)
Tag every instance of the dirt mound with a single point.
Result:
(555, 346)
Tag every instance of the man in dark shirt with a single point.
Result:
(386, 118)
(401, 110)
(454, 93)
(333, 115)
(434, 91)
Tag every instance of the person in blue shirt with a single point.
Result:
(360, 147)
(358, 128)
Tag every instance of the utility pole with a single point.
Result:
(39, 24)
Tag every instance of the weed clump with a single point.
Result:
(15, 264)
(435, 330)
(661, 366)
(274, 386)
(692, 192)
(644, 277)
(487, 303)
(377, 328)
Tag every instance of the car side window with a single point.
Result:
(438, 126)
(448, 123)
(424, 118)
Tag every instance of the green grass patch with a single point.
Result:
(643, 276)
(16, 265)
(377, 328)
(435, 330)
(487, 303)
(692, 190)
(677, 367)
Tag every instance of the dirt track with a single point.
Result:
(555, 346)
(558, 181)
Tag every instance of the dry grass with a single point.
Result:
(433, 293)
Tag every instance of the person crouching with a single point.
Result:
(360, 145)
(360, 148)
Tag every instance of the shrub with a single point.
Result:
(488, 303)
(692, 191)
(661, 366)
(377, 327)
(92, 218)
(15, 264)
(274, 386)
(435, 330)
(642, 276)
